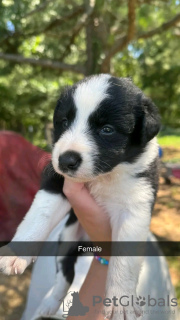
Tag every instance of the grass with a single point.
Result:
(169, 141)
(178, 294)
(169, 137)
(170, 144)
(174, 263)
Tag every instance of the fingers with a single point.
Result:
(80, 198)
(92, 217)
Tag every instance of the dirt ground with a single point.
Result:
(13, 292)
(165, 224)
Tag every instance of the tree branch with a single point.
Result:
(38, 8)
(122, 42)
(165, 26)
(51, 25)
(89, 31)
(76, 29)
(131, 19)
(59, 21)
(44, 63)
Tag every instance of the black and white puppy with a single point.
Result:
(104, 135)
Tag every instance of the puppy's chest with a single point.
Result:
(122, 193)
(113, 192)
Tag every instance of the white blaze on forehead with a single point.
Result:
(90, 93)
(87, 97)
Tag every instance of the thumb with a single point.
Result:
(92, 217)
(79, 197)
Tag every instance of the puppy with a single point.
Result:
(104, 136)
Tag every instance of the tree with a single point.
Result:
(47, 44)
(106, 26)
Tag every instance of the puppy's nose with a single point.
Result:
(69, 160)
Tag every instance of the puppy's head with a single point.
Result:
(99, 123)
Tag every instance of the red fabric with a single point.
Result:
(176, 173)
(21, 165)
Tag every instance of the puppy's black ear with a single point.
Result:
(151, 121)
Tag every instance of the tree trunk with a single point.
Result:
(94, 40)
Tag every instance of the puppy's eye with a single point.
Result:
(107, 130)
(65, 123)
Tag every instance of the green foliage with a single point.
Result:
(174, 265)
(65, 31)
(168, 141)
(160, 76)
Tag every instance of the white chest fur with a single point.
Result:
(122, 191)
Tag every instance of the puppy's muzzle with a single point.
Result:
(69, 161)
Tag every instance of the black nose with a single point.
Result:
(69, 160)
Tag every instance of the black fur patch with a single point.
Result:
(72, 218)
(126, 111)
(68, 267)
(51, 181)
(65, 109)
(152, 175)
(68, 262)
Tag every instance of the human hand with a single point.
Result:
(96, 223)
(93, 218)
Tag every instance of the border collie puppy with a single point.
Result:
(104, 136)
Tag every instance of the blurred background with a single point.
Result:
(46, 45)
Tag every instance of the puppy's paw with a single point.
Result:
(49, 306)
(12, 264)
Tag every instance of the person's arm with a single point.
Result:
(96, 223)
(93, 286)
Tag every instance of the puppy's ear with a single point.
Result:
(151, 120)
